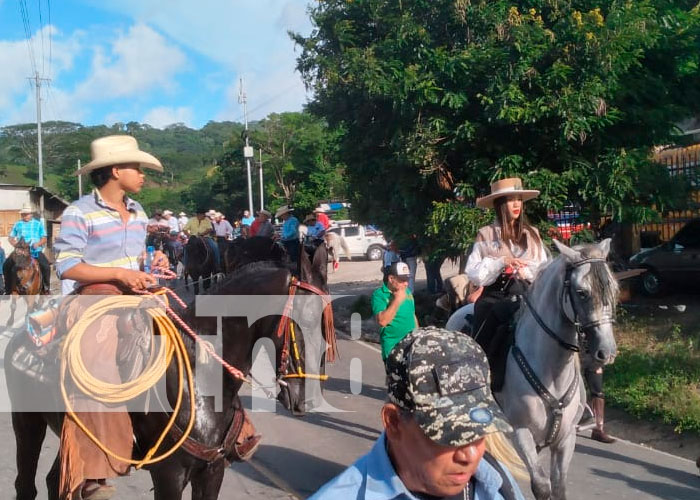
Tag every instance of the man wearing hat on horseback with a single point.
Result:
(290, 232)
(33, 232)
(262, 225)
(202, 227)
(101, 246)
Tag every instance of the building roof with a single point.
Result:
(30, 187)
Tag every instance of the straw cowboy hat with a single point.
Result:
(319, 210)
(506, 187)
(264, 212)
(117, 150)
(167, 212)
(284, 209)
(309, 218)
(26, 209)
(181, 214)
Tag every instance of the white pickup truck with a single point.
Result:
(363, 241)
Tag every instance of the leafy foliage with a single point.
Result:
(570, 94)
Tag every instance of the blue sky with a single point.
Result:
(152, 61)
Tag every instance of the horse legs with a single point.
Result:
(561, 458)
(207, 482)
(30, 430)
(525, 443)
(169, 480)
(53, 478)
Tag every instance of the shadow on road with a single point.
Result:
(650, 487)
(294, 466)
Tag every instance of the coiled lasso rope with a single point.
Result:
(172, 344)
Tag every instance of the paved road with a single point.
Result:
(299, 455)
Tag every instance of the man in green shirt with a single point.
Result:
(394, 308)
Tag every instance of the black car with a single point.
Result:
(675, 264)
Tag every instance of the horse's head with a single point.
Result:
(313, 317)
(591, 291)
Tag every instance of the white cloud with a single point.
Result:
(163, 116)
(138, 61)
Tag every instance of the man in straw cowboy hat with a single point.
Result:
(262, 225)
(101, 247)
(290, 232)
(443, 430)
(33, 232)
(504, 260)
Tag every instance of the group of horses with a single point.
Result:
(259, 271)
(569, 308)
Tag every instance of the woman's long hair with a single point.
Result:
(499, 447)
(515, 234)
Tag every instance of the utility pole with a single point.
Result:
(262, 201)
(40, 157)
(80, 183)
(247, 150)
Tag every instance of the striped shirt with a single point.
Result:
(94, 233)
(31, 231)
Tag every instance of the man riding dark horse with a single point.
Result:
(31, 231)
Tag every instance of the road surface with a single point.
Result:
(298, 455)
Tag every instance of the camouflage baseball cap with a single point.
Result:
(442, 377)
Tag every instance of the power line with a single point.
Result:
(27, 33)
(41, 31)
(48, 4)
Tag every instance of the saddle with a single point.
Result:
(39, 355)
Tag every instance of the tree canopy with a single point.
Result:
(437, 98)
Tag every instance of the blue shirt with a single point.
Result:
(247, 221)
(2, 259)
(94, 233)
(31, 232)
(316, 231)
(373, 477)
(290, 229)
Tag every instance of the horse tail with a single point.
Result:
(346, 249)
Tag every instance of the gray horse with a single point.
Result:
(543, 395)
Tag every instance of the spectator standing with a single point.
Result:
(2, 264)
(391, 255)
(223, 231)
(262, 225)
(409, 252)
(394, 308)
(31, 230)
(247, 219)
(322, 218)
(443, 430)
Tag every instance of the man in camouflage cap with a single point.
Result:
(439, 411)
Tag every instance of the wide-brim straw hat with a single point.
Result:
(309, 218)
(506, 187)
(118, 150)
(319, 210)
(284, 209)
(26, 209)
(181, 214)
(264, 212)
(167, 212)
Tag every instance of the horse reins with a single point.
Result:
(286, 329)
(556, 406)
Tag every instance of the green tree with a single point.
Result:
(442, 96)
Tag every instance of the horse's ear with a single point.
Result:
(319, 266)
(571, 254)
(304, 265)
(604, 247)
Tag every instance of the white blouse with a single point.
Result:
(484, 266)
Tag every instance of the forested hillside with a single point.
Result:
(201, 166)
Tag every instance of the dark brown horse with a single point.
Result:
(172, 475)
(200, 263)
(22, 277)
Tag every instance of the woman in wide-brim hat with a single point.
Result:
(504, 260)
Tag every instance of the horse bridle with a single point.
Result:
(23, 288)
(287, 330)
(567, 292)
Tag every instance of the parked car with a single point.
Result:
(363, 241)
(675, 263)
